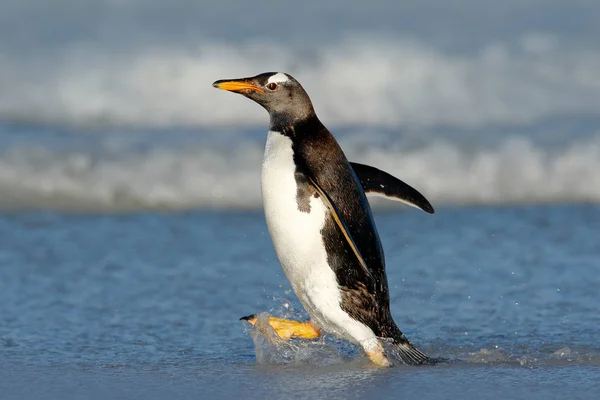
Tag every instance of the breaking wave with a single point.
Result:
(360, 80)
(213, 176)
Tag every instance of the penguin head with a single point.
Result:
(279, 93)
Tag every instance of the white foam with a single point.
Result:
(380, 81)
(209, 177)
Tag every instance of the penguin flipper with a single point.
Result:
(376, 181)
(339, 220)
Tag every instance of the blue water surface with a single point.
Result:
(146, 305)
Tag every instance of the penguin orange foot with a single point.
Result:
(287, 328)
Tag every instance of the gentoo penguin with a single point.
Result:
(321, 223)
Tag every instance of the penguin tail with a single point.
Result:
(409, 354)
(404, 351)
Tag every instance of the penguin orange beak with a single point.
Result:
(236, 85)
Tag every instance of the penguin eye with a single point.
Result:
(272, 86)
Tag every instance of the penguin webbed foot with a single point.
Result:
(286, 328)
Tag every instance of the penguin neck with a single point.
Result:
(288, 126)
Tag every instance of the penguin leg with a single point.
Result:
(376, 353)
(289, 329)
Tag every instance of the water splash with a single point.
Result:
(270, 349)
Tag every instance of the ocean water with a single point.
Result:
(146, 305)
(131, 226)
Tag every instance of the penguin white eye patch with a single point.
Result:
(279, 77)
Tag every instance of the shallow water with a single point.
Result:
(147, 305)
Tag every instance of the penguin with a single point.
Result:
(321, 224)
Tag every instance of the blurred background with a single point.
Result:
(108, 105)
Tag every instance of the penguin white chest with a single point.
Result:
(296, 234)
(299, 245)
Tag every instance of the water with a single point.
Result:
(130, 211)
(147, 305)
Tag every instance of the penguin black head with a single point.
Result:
(279, 93)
